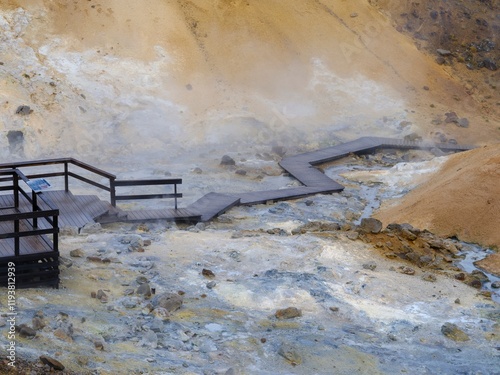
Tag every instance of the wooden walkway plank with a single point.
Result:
(214, 204)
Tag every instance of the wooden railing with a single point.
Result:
(169, 181)
(50, 216)
(110, 187)
(66, 173)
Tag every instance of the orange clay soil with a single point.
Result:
(462, 199)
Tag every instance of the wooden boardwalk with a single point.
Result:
(79, 210)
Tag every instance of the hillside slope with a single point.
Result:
(129, 79)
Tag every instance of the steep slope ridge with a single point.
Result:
(461, 199)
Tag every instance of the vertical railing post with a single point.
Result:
(55, 237)
(34, 208)
(175, 195)
(66, 177)
(112, 191)
(16, 189)
(16, 238)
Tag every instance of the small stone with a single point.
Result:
(197, 170)
(334, 308)
(141, 279)
(26, 332)
(440, 60)
(353, 15)
(370, 266)
(463, 123)
(451, 117)
(406, 270)
(37, 323)
(353, 235)
(128, 292)
(51, 362)
(129, 303)
(169, 301)
(23, 110)
(93, 294)
(263, 340)
(490, 64)
(144, 290)
(457, 301)
(370, 225)
(98, 345)
(65, 262)
(161, 313)
(100, 294)
(495, 285)
(426, 88)
(227, 160)
(290, 353)
(211, 284)
(208, 273)
(76, 253)
(443, 52)
(475, 283)
(454, 333)
(62, 335)
(429, 277)
(288, 313)
(241, 172)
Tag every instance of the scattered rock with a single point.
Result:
(169, 301)
(353, 15)
(76, 253)
(98, 345)
(141, 279)
(463, 123)
(144, 290)
(443, 52)
(279, 150)
(353, 235)
(23, 110)
(334, 308)
(495, 285)
(429, 277)
(26, 332)
(227, 160)
(370, 266)
(211, 284)
(63, 261)
(91, 228)
(288, 313)
(451, 117)
(454, 333)
(38, 323)
(241, 172)
(440, 60)
(370, 225)
(61, 334)
(52, 363)
(490, 64)
(406, 270)
(197, 170)
(290, 353)
(208, 273)
(100, 294)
